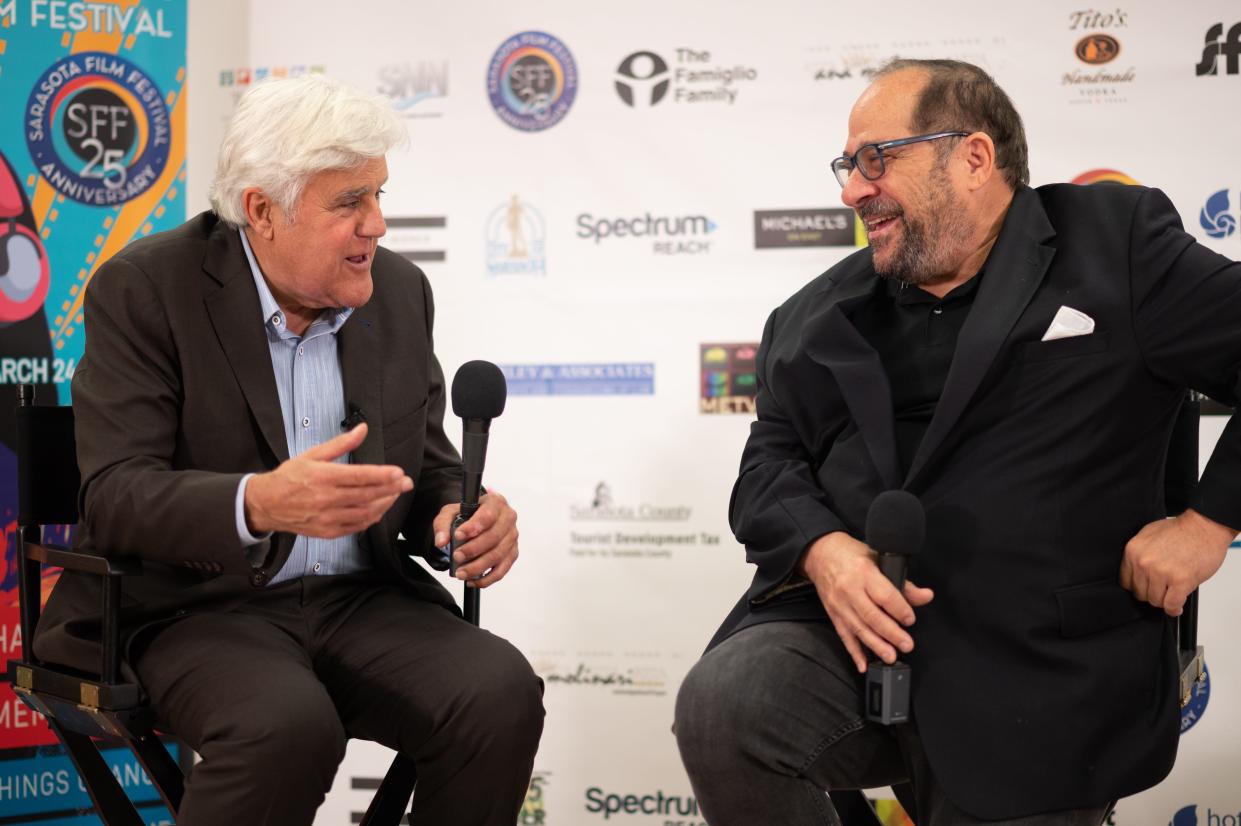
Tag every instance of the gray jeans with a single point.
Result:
(770, 718)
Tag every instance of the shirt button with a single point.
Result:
(275, 319)
(301, 351)
(305, 421)
(317, 567)
(938, 310)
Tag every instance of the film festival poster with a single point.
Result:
(92, 156)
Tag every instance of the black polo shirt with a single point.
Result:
(915, 335)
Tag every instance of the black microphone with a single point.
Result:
(354, 418)
(478, 396)
(895, 529)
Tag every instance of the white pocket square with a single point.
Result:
(1069, 323)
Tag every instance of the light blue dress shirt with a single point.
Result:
(312, 401)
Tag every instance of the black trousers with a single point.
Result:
(268, 693)
(771, 717)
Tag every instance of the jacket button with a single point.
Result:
(258, 579)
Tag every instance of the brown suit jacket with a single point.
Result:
(175, 400)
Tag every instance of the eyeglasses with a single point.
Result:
(869, 158)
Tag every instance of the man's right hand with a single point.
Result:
(864, 606)
(313, 495)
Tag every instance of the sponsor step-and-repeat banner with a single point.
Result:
(608, 206)
(92, 156)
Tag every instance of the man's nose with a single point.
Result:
(857, 189)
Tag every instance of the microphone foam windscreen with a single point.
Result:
(478, 391)
(896, 523)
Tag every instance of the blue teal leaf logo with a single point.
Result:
(1216, 218)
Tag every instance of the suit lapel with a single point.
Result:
(359, 352)
(236, 316)
(357, 346)
(831, 340)
(1015, 269)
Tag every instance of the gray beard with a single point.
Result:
(920, 258)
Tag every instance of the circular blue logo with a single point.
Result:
(1197, 705)
(1186, 816)
(98, 128)
(532, 81)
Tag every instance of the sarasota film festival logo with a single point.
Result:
(515, 239)
(534, 807)
(410, 86)
(1217, 216)
(1218, 46)
(532, 81)
(644, 78)
(98, 128)
(669, 235)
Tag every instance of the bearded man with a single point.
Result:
(1015, 358)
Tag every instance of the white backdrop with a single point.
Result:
(627, 563)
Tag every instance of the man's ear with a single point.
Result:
(259, 209)
(978, 151)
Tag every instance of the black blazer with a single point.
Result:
(175, 400)
(1039, 683)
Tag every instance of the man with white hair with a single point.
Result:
(259, 413)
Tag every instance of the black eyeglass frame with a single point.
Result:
(847, 163)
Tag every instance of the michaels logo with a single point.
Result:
(1215, 48)
(676, 235)
(1217, 216)
(410, 85)
(644, 79)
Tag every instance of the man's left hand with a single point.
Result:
(1168, 559)
(486, 543)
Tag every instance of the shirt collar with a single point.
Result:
(273, 316)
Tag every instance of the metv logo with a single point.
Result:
(1217, 216)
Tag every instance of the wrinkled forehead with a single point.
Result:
(885, 110)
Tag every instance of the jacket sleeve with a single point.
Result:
(127, 394)
(778, 508)
(1187, 315)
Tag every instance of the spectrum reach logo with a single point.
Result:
(532, 81)
(616, 379)
(667, 234)
(1218, 217)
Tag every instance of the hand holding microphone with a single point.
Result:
(482, 529)
(867, 608)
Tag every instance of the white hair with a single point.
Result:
(287, 129)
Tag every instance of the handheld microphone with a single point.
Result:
(895, 529)
(478, 396)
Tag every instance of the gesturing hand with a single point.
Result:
(313, 495)
(864, 606)
(489, 537)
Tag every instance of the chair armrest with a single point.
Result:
(84, 561)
